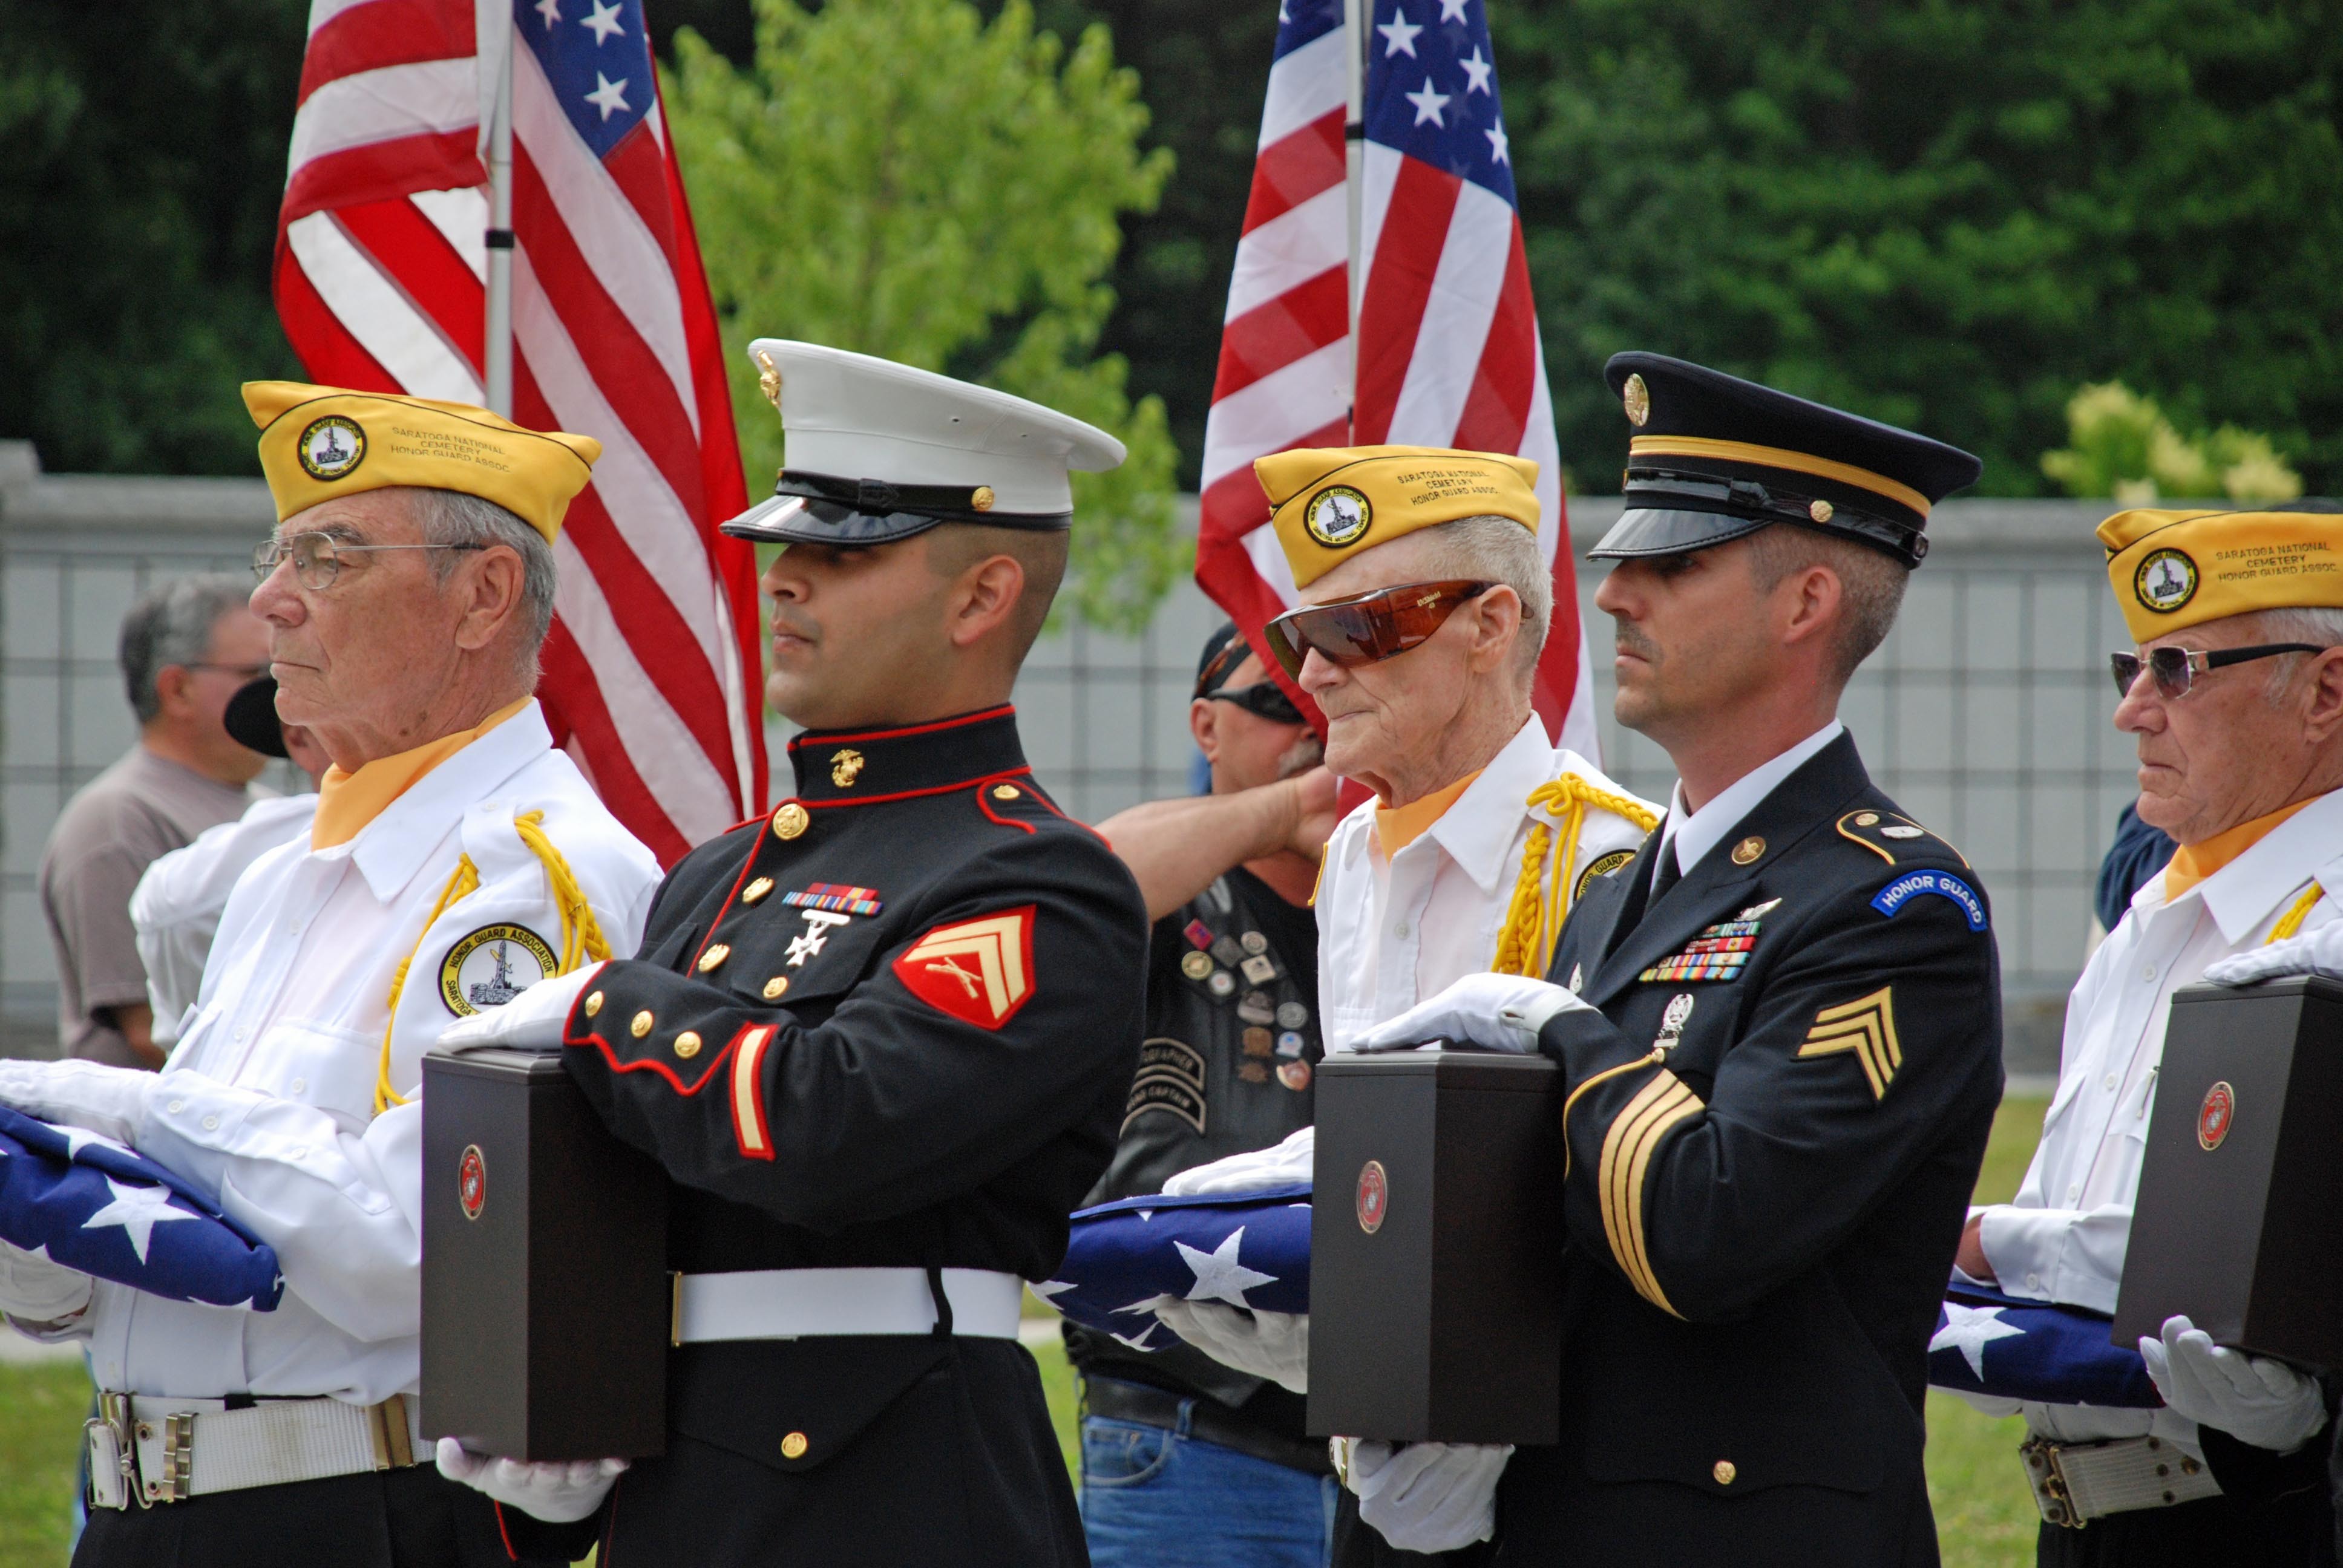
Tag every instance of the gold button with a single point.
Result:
(1004, 792)
(1724, 1470)
(756, 889)
(714, 956)
(790, 821)
(1819, 511)
(687, 1045)
(641, 1025)
(593, 1004)
(794, 1446)
(775, 987)
(1867, 819)
(981, 497)
(1748, 849)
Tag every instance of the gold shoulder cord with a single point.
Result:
(1541, 896)
(581, 934)
(2291, 922)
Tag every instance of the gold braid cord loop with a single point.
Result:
(1542, 889)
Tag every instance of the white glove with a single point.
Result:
(557, 1493)
(2264, 1403)
(1255, 1171)
(1497, 1012)
(2321, 953)
(109, 1100)
(533, 1020)
(1429, 1496)
(1273, 1346)
(38, 1293)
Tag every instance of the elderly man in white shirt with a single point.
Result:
(455, 858)
(1425, 604)
(2236, 700)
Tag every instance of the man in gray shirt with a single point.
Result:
(187, 647)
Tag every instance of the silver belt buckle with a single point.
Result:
(113, 1478)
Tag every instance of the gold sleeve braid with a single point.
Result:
(1627, 1148)
(581, 934)
(1541, 891)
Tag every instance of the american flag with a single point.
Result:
(650, 673)
(1448, 353)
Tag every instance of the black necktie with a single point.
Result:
(1669, 875)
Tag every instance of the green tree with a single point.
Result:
(903, 178)
(2121, 445)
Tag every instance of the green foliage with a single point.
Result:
(901, 178)
(138, 217)
(2122, 445)
(1944, 215)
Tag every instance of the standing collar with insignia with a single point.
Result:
(856, 767)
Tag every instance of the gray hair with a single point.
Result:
(453, 518)
(2321, 624)
(1499, 549)
(172, 624)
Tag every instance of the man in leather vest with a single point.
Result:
(1186, 1461)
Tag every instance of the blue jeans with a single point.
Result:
(1157, 1498)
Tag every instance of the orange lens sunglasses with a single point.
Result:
(1367, 627)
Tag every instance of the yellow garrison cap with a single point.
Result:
(1329, 501)
(2176, 569)
(319, 442)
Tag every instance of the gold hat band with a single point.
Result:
(1779, 457)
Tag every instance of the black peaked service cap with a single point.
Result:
(1712, 457)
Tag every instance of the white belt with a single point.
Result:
(792, 1303)
(2075, 1483)
(151, 1450)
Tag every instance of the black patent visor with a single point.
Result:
(799, 521)
(1656, 531)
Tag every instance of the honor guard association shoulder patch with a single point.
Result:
(980, 972)
(1719, 953)
(489, 966)
(1892, 899)
(1866, 1026)
(1601, 866)
(1892, 837)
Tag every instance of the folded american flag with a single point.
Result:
(89, 1203)
(1989, 1343)
(1247, 1249)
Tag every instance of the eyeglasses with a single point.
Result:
(1367, 627)
(1263, 699)
(318, 558)
(2176, 669)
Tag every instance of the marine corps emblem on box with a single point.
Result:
(2166, 580)
(1337, 516)
(493, 965)
(331, 446)
(2215, 1116)
(472, 1182)
(1375, 1196)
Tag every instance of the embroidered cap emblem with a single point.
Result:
(2166, 580)
(472, 1182)
(331, 446)
(846, 767)
(1337, 516)
(1373, 1196)
(2215, 1116)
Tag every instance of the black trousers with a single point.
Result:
(411, 1518)
(2296, 1531)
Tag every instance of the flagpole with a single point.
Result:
(1356, 14)
(498, 354)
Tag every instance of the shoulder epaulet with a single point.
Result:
(1894, 837)
(1018, 802)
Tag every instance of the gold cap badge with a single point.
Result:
(1636, 398)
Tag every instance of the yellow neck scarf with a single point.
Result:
(1400, 826)
(346, 802)
(2192, 863)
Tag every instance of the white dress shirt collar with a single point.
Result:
(1693, 835)
(1477, 829)
(2241, 894)
(392, 847)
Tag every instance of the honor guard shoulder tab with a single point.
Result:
(1894, 838)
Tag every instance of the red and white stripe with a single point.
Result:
(380, 280)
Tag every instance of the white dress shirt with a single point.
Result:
(1393, 931)
(2063, 1238)
(1693, 834)
(267, 1102)
(177, 905)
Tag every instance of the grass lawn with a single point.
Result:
(1983, 1516)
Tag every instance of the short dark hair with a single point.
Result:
(171, 623)
(1871, 584)
(1042, 553)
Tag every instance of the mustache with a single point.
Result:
(781, 623)
(1630, 638)
(1301, 756)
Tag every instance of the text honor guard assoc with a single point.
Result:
(1778, 1027)
(455, 858)
(882, 1038)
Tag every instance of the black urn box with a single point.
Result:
(2239, 1222)
(1435, 1248)
(545, 1297)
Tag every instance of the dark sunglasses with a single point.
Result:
(2176, 669)
(1367, 627)
(1262, 699)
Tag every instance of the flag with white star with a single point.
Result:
(2039, 1352)
(1249, 1250)
(88, 1202)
